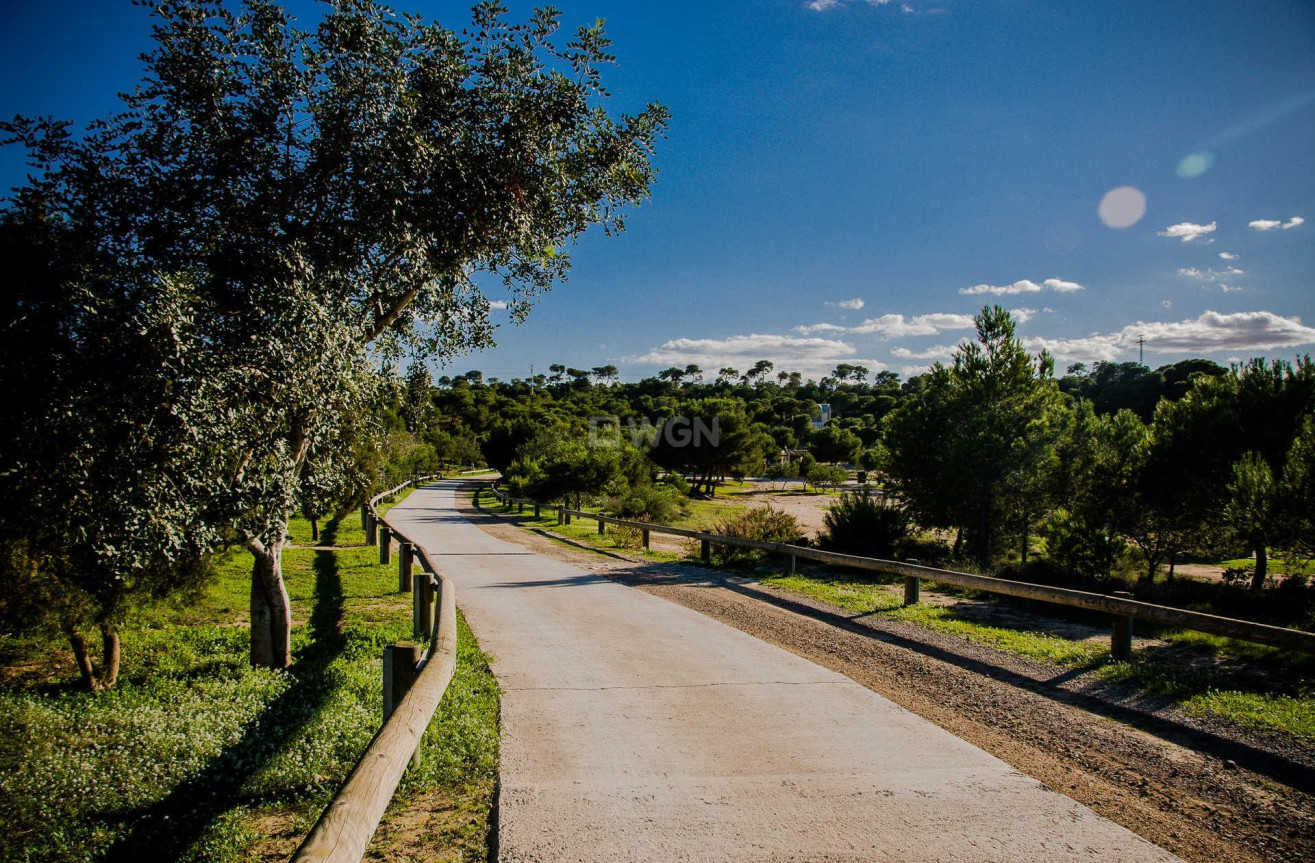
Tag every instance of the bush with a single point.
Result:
(660, 503)
(863, 524)
(826, 475)
(763, 524)
(1086, 550)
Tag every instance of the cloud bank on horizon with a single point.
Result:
(1210, 332)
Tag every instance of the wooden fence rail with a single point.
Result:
(346, 825)
(1124, 609)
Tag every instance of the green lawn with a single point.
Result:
(194, 755)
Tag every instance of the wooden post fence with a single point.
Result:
(405, 565)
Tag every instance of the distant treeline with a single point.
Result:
(1101, 472)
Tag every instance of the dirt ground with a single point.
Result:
(1202, 790)
(809, 509)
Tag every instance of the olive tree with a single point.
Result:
(102, 497)
(335, 197)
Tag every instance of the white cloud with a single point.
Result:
(854, 304)
(1024, 286)
(497, 304)
(1271, 224)
(1209, 333)
(1228, 289)
(1166, 304)
(906, 8)
(897, 326)
(935, 352)
(910, 371)
(811, 356)
(1023, 315)
(1228, 256)
(1188, 231)
(1209, 275)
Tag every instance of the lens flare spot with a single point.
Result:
(1122, 207)
(1195, 165)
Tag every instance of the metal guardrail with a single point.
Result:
(1123, 608)
(413, 688)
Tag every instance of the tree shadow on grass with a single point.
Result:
(164, 830)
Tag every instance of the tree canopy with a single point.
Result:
(325, 200)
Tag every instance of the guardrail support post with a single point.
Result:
(365, 514)
(536, 510)
(1121, 634)
(705, 551)
(475, 500)
(561, 519)
(371, 530)
(422, 606)
(568, 515)
(602, 526)
(405, 564)
(399, 673)
(912, 590)
(520, 507)
(794, 564)
(385, 544)
(645, 535)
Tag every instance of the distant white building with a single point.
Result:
(821, 416)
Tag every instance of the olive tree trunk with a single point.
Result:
(96, 678)
(1262, 567)
(271, 614)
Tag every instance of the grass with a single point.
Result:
(1252, 686)
(1277, 565)
(869, 597)
(194, 755)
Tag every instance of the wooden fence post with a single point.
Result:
(561, 518)
(705, 551)
(602, 526)
(399, 673)
(645, 535)
(422, 606)
(536, 510)
(520, 507)
(794, 564)
(912, 590)
(385, 544)
(405, 564)
(568, 515)
(475, 500)
(1121, 632)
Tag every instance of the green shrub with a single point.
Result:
(863, 524)
(763, 524)
(661, 503)
(1085, 549)
(821, 474)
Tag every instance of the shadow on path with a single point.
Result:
(164, 830)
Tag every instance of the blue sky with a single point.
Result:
(924, 158)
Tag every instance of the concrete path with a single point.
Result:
(634, 729)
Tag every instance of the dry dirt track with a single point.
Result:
(637, 729)
(1199, 792)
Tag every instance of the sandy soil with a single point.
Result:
(1202, 790)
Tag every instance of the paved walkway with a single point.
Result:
(634, 729)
